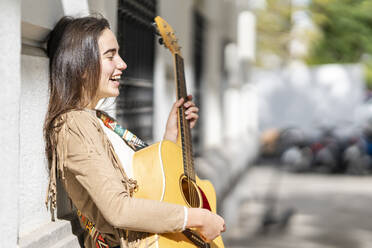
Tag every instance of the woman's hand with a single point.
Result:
(191, 114)
(208, 224)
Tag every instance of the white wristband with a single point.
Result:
(185, 219)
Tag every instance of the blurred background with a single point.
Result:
(285, 128)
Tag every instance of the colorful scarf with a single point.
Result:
(132, 140)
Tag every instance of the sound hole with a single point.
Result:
(190, 192)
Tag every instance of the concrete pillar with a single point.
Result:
(232, 100)
(10, 81)
(75, 8)
(211, 88)
(33, 172)
(231, 96)
(247, 36)
(249, 110)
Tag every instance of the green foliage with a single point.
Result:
(368, 74)
(345, 33)
(273, 28)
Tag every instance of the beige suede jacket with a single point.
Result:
(86, 163)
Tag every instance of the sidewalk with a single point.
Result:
(332, 211)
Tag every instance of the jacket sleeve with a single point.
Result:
(93, 168)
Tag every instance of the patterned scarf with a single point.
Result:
(132, 140)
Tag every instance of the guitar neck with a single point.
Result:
(184, 131)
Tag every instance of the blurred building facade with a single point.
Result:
(203, 27)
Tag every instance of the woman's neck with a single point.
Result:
(93, 103)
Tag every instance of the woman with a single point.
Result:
(85, 67)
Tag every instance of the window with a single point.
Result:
(136, 40)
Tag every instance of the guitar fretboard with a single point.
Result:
(185, 132)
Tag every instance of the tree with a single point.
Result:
(345, 33)
(273, 28)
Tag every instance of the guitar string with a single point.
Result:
(188, 154)
(182, 119)
(193, 200)
(193, 196)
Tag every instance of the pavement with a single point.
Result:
(306, 210)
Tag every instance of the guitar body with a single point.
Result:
(159, 170)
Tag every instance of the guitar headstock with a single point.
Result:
(168, 38)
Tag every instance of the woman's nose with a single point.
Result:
(121, 65)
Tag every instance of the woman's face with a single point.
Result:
(111, 65)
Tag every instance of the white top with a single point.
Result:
(124, 152)
(125, 155)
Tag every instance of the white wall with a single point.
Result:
(37, 21)
(33, 171)
(10, 81)
(42, 13)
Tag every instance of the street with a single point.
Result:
(329, 211)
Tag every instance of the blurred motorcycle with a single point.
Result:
(358, 156)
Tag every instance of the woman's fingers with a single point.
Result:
(191, 112)
(189, 104)
(178, 104)
(192, 116)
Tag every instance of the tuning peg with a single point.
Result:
(161, 41)
(155, 28)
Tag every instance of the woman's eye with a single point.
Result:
(110, 58)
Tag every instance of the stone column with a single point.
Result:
(75, 8)
(10, 81)
(211, 88)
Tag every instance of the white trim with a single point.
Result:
(186, 211)
(163, 193)
(162, 170)
(157, 241)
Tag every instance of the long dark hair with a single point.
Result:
(74, 68)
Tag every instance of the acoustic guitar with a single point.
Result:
(165, 171)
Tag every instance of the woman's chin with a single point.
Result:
(114, 88)
(114, 94)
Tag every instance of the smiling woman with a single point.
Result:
(84, 150)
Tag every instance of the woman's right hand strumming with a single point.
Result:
(208, 224)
